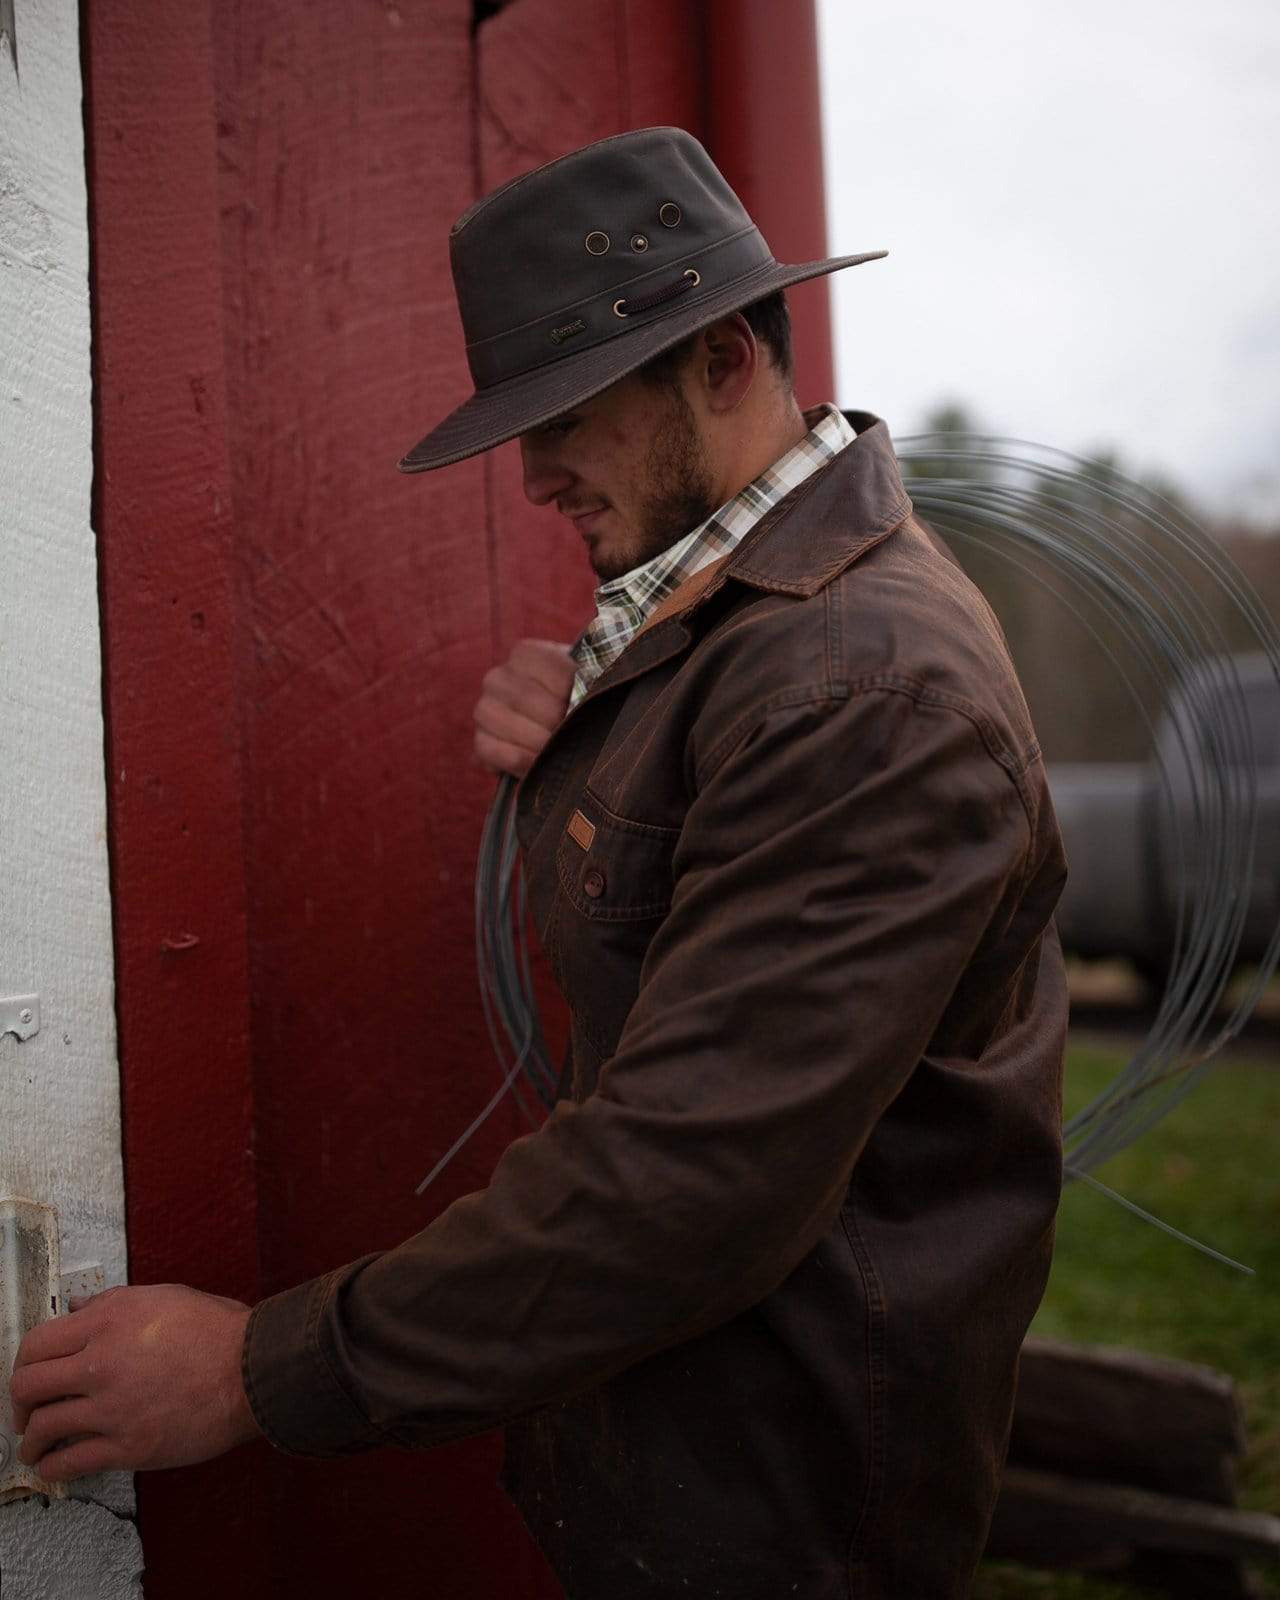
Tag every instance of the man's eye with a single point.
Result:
(560, 426)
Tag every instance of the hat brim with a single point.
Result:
(498, 413)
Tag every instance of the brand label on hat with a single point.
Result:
(567, 330)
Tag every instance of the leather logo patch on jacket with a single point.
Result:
(580, 830)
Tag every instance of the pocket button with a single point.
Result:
(593, 884)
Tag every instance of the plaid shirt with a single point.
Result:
(623, 604)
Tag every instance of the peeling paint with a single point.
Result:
(26, 229)
(49, 1548)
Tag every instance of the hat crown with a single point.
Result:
(563, 245)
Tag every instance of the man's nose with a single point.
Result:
(544, 477)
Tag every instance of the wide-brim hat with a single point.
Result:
(575, 274)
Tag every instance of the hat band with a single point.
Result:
(591, 322)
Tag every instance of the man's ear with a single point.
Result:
(728, 361)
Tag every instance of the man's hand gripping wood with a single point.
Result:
(133, 1378)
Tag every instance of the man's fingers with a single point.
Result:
(550, 663)
(41, 1382)
(521, 704)
(53, 1424)
(503, 685)
(94, 1454)
(60, 1336)
(510, 727)
(499, 756)
(81, 1302)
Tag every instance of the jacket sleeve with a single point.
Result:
(842, 862)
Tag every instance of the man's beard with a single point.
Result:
(680, 491)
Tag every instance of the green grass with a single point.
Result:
(1212, 1169)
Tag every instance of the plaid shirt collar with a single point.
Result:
(623, 604)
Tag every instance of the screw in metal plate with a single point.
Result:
(24, 1016)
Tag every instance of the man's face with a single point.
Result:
(628, 469)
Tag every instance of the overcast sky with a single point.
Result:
(1080, 205)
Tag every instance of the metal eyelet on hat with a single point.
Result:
(597, 243)
(639, 242)
(669, 215)
(647, 302)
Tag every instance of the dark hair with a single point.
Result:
(768, 319)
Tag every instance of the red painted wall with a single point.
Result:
(295, 635)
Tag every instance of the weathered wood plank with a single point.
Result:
(1125, 1417)
(1047, 1516)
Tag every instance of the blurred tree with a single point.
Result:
(951, 417)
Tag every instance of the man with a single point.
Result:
(750, 1302)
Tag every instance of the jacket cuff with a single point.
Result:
(292, 1390)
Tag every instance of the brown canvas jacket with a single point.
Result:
(750, 1302)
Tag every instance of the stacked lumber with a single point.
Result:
(1125, 1465)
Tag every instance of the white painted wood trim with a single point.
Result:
(59, 1089)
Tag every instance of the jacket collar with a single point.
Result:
(848, 506)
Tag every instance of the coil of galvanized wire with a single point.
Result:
(1136, 572)
(1147, 574)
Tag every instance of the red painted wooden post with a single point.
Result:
(346, 150)
(765, 133)
(162, 507)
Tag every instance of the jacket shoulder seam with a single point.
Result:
(1015, 765)
(784, 700)
(1014, 762)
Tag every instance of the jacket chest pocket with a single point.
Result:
(614, 889)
